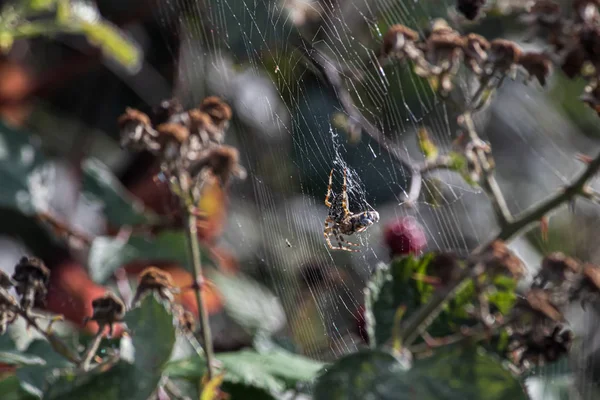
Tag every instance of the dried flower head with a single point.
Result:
(5, 281)
(186, 320)
(536, 65)
(220, 162)
(136, 131)
(539, 301)
(107, 311)
(587, 289)
(167, 111)
(399, 41)
(503, 55)
(218, 110)
(586, 11)
(475, 51)
(8, 304)
(470, 8)
(556, 269)
(591, 96)
(155, 280)
(499, 259)
(573, 62)
(529, 349)
(203, 126)
(31, 279)
(545, 12)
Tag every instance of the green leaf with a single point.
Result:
(107, 254)
(273, 370)
(250, 304)
(453, 373)
(390, 288)
(11, 389)
(360, 376)
(40, 5)
(113, 43)
(35, 379)
(152, 331)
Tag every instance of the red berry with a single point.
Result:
(405, 236)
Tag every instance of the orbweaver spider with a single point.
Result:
(344, 222)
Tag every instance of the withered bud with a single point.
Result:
(470, 8)
(396, 38)
(187, 321)
(475, 50)
(165, 111)
(586, 10)
(499, 259)
(539, 301)
(31, 279)
(5, 281)
(133, 116)
(589, 38)
(170, 132)
(107, 310)
(136, 131)
(221, 162)
(537, 65)
(155, 280)
(573, 62)
(440, 26)
(556, 268)
(591, 97)
(503, 54)
(533, 349)
(203, 125)
(444, 266)
(545, 12)
(218, 110)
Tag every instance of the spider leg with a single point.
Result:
(327, 202)
(345, 196)
(341, 243)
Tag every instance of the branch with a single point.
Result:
(332, 77)
(422, 318)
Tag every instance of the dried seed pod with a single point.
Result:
(31, 279)
(399, 41)
(107, 311)
(155, 280)
(220, 162)
(503, 55)
(218, 110)
(186, 320)
(475, 51)
(470, 8)
(5, 281)
(537, 65)
(136, 131)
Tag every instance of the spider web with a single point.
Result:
(287, 129)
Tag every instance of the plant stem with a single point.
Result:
(490, 185)
(422, 318)
(92, 349)
(57, 344)
(192, 232)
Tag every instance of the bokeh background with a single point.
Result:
(60, 97)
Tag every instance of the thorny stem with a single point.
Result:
(423, 317)
(192, 232)
(92, 349)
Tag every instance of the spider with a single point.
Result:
(344, 222)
